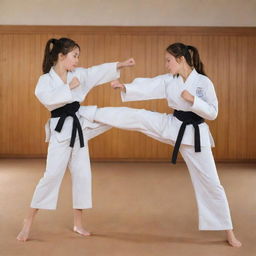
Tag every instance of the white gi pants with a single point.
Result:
(60, 156)
(211, 199)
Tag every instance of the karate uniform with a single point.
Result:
(54, 94)
(210, 196)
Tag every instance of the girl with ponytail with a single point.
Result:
(61, 89)
(192, 96)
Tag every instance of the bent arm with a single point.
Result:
(49, 95)
(207, 108)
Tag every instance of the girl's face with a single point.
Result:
(70, 60)
(172, 64)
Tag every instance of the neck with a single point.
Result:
(185, 72)
(60, 70)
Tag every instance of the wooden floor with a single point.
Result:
(139, 209)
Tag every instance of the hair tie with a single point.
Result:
(52, 44)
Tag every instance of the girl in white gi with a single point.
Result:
(191, 94)
(60, 90)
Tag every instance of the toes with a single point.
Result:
(22, 237)
(81, 231)
(235, 243)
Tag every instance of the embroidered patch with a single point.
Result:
(200, 92)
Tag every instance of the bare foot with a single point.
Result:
(24, 233)
(231, 239)
(81, 231)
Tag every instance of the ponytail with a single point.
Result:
(190, 53)
(196, 62)
(48, 61)
(53, 48)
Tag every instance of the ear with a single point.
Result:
(180, 59)
(61, 56)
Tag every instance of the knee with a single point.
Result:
(82, 175)
(52, 176)
(216, 190)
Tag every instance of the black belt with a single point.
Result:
(187, 117)
(65, 111)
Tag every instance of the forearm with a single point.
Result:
(145, 89)
(204, 109)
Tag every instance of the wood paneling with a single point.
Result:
(228, 54)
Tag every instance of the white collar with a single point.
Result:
(55, 76)
(190, 79)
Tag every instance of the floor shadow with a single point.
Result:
(152, 238)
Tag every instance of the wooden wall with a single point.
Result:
(229, 55)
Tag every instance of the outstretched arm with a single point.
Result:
(96, 75)
(143, 88)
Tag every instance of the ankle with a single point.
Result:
(78, 225)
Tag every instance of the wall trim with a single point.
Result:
(124, 30)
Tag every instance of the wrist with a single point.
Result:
(119, 65)
(123, 88)
(71, 86)
(192, 98)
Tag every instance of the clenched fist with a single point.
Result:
(74, 83)
(127, 63)
(187, 96)
(116, 84)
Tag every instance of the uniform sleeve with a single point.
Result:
(97, 75)
(146, 88)
(207, 107)
(52, 95)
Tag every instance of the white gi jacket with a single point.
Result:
(170, 88)
(53, 93)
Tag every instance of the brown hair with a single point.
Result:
(53, 48)
(190, 54)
